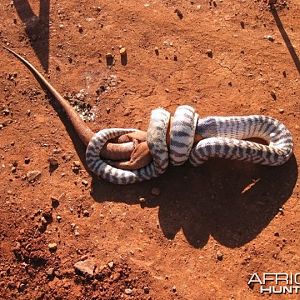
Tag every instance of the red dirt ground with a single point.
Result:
(210, 227)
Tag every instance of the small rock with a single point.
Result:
(50, 272)
(219, 255)
(269, 38)
(109, 59)
(52, 247)
(28, 112)
(146, 289)
(53, 162)
(76, 167)
(76, 163)
(54, 202)
(33, 175)
(80, 28)
(76, 233)
(273, 95)
(175, 58)
(127, 112)
(209, 53)
(281, 110)
(58, 218)
(242, 24)
(174, 289)
(86, 213)
(123, 51)
(128, 291)
(6, 112)
(85, 182)
(155, 191)
(179, 13)
(276, 234)
(156, 50)
(86, 267)
(44, 221)
(111, 264)
(27, 160)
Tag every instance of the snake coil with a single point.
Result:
(221, 137)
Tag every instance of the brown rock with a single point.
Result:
(33, 175)
(86, 267)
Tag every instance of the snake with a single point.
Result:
(175, 140)
(225, 137)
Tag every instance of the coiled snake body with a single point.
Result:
(220, 137)
(223, 137)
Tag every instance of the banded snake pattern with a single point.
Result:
(223, 137)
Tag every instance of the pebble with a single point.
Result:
(156, 50)
(76, 163)
(219, 255)
(52, 247)
(269, 38)
(281, 110)
(111, 264)
(27, 160)
(44, 221)
(273, 95)
(50, 272)
(53, 162)
(155, 191)
(28, 113)
(58, 218)
(209, 53)
(128, 291)
(179, 13)
(123, 51)
(33, 175)
(86, 267)
(109, 59)
(80, 28)
(127, 112)
(174, 289)
(54, 201)
(85, 182)
(86, 213)
(146, 289)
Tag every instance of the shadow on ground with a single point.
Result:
(36, 27)
(230, 200)
(285, 37)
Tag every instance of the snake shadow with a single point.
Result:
(231, 201)
(36, 28)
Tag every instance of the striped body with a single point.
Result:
(158, 125)
(224, 137)
(182, 134)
